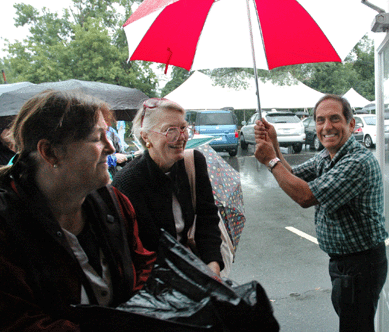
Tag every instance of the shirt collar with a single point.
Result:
(342, 151)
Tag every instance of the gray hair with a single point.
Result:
(151, 116)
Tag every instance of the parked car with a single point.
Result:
(358, 134)
(368, 123)
(222, 124)
(289, 128)
(311, 138)
(313, 141)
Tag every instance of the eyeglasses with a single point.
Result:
(149, 103)
(174, 133)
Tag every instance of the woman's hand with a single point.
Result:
(214, 266)
(121, 158)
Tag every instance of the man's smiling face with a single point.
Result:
(331, 125)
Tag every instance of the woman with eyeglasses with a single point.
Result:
(158, 187)
(66, 238)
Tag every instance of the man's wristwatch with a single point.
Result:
(272, 164)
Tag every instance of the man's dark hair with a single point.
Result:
(347, 111)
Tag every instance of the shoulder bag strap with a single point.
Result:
(190, 170)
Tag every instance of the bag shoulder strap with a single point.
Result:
(190, 170)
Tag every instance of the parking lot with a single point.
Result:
(276, 249)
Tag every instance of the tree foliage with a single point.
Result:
(86, 42)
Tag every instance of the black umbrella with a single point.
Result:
(124, 101)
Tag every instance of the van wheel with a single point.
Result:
(233, 153)
(243, 143)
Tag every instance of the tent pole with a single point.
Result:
(254, 63)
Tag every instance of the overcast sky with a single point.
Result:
(8, 13)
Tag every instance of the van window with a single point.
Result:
(254, 118)
(284, 118)
(211, 119)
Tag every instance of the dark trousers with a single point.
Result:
(357, 281)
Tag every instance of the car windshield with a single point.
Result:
(371, 120)
(282, 118)
(207, 119)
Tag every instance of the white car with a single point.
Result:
(368, 123)
(289, 128)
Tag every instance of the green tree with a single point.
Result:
(86, 42)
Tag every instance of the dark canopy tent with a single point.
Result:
(124, 101)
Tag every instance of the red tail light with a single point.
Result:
(358, 130)
(236, 134)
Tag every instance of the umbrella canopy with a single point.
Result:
(206, 34)
(124, 101)
(355, 99)
(227, 191)
(201, 34)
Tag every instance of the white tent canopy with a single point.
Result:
(199, 92)
(355, 99)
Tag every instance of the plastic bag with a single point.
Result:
(183, 294)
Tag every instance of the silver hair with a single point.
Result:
(151, 117)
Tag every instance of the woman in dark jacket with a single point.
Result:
(66, 238)
(158, 186)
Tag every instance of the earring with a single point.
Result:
(148, 145)
(55, 166)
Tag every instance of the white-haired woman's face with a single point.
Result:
(163, 152)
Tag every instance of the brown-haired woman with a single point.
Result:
(65, 237)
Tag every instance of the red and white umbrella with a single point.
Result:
(207, 34)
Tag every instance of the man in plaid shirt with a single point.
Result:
(344, 183)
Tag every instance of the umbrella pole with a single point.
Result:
(254, 63)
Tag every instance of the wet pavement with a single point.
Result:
(292, 269)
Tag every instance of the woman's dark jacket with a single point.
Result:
(40, 277)
(150, 191)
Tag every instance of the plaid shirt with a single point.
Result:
(349, 217)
